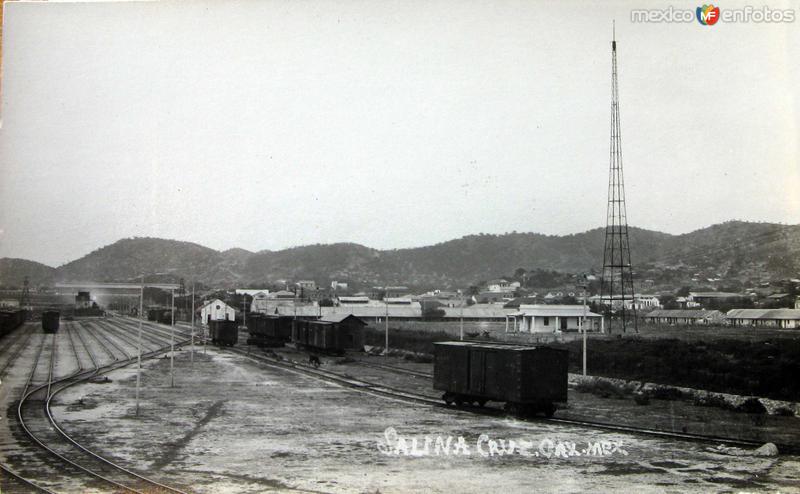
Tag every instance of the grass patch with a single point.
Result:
(766, 367)
(603, 388)
(413, 340)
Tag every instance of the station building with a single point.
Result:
(541, 318)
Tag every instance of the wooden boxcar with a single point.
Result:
(11, 319)
(224, 333)
(528, 379)
(269, 330)
(327, 336)
(164, 316)
(50, 321)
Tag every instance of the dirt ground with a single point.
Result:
(230, 425)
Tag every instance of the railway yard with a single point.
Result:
(249, 419)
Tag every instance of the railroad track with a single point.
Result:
(376, 389)
(411, 397)
(394, 368)
(10, 481)
(36, 420)
(12, 347)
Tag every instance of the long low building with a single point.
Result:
(765, 318)
(685, 317)
(413, 312)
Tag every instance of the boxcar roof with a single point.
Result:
(494, 346)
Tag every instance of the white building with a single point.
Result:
(643, 302)
(260, 301)
(251, 291)
(765, 318)
(217, 310)
(540, 318)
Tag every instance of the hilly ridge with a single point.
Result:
(736, 248)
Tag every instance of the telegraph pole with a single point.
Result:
(386, 303)
(461, 328)
(139, 344)
(192, 354)
(172, 344)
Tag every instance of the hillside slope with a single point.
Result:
(733, 248)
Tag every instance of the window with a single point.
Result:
(546, 321)
(218, 307)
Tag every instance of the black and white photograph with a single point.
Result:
(399, 246)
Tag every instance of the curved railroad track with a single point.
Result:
(38, 423)
(13, 343)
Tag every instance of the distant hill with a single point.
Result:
(13, 272)
(735, 249)
(128, 258)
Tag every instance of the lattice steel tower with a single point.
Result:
(617, 279)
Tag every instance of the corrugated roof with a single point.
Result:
(684, 313)
(717, 295)
(358, 311)
(477, 311)
(791, 314)
(339, 317)
(495, 346)
(555, 311)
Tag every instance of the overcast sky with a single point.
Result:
(272, 124)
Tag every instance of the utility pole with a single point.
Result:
(25, 297)
(244, 313)
(172, 344)
(192, 345)
(461, 328)
(139, 345)
(582, 320)
(386, 303)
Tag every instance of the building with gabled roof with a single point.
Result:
(764, 318)
(217, 310)
(685, 317)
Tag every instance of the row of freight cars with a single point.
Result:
(11, 320)
(527, 379)
(332, 335)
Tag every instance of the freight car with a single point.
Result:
(50, 321)
(164, 316)
(268, 330)
(328, 336)
(224, 333)
(11, 320)
(528, 379)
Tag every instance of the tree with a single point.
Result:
(326, 302)
(683, 291)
